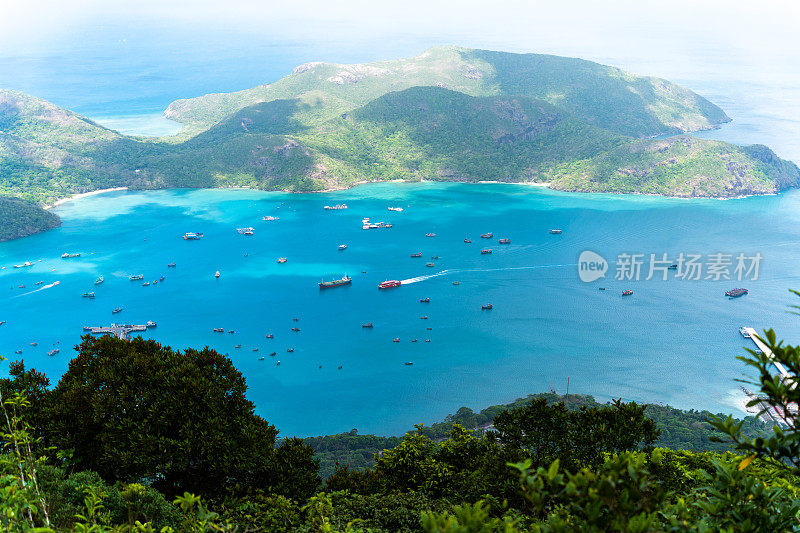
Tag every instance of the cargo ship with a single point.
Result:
(735, 293)
(335, 282)
(389, 284)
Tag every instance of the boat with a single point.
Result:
(66, 255)
(295, 329)
(192, 236)
(2, 322)
(218, 330)
(270, 336)
(367, 325)
(389, 284)
(456, 283)
(427, 340)
(246, 231)
(627, 292)
(425, 300)
(21, 286)
(486, 236)
(273, 354)
(735, 293)
(87, 328)
(150, 324)
(430, 235)
(39, 283)
(53, 352)
(238, 346)
(281, 260)
(255, 349)
(216, 274)
(290, 350)
(261, 358)
(424, 317)
(398, 209)
(602, 288)
(429, 264)
(486, 251)
(116, 310)
(99, 280)
(744, 332)
(269, 218)
(335, 207)
(231, 331)
(488, 307)
(146, 284)
(504, 241)
(673, 266)
(161, 278)
(88, 295)
(395, 340)
(34, 344)
(17, 352)
(413, 340)
(417, 254)
(136, 277)
(434, 257)
(383, 225)
(342, 247)
(23, 265)
(171, 265)
(555, 231)
(468, 241)
(408, 363)
(155, 281)
(335, 282)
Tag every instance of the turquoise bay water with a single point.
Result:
(672, 341)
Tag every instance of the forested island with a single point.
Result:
(449, 114)
(137, 436)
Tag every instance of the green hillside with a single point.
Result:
(19, 218)
(601, 95)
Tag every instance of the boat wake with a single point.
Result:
(503, 269)
(43, 287)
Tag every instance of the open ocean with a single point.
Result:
(672, 341)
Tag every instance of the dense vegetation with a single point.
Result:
(20, 218)
(450, 114)
(134, 425)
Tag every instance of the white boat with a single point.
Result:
(66, 255)
(216, 274)
(398, 209)
(136, 277)
(343, 247)
(744, 332)
(99, 280)
(246, 231)
(23, 265)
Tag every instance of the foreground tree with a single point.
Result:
(179, 420)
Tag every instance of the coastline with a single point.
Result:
(82, 195)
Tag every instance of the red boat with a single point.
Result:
(487, 306)
(281, 260)
(389, 284)
(418, 254)
(627, 292)
(486, 236)
(486, 251)
(395, 340)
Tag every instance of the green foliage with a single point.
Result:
(19, 218)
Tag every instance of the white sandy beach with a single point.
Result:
(83, 195)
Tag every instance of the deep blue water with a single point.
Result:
(672, 341)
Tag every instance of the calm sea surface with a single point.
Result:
(672, 341)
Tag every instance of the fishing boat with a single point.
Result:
(88, 295)
(218, 330)
(430, 235)
(192, 236)
(424, 317)
(425, 300)
(486, 251)
(216, 274)
(417, 254)
(555, 231)
(171, 265)
(155, 281)
(261, 358)
(488, 307)
(246, 231)
(429, 264)
(389, 284)
(290, 350)
(21, 286)
(255, 349)
(23, 265)
(395, 340)
(367, 325)
(281, 260)
(335, 207)
(136, 277)
(273, 354)
(342, 247)
(99, 280)
(146, 284)
(397, 209)
(231, 331)
(744, 332)
(413, 340)
(468, 241)
(66, 255)
(238, 346)
(504, 241)
(116, 310)
(486, 236)
(408, 363)
(17, 352)
(150, 324)
(39, 283)
(295, 329)
(161, 278)
(335, 282)
(627, 292)
(434, 257)
(456, 283)
(270, 218)
(53, 352)
(34, 344)
(735, 293)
